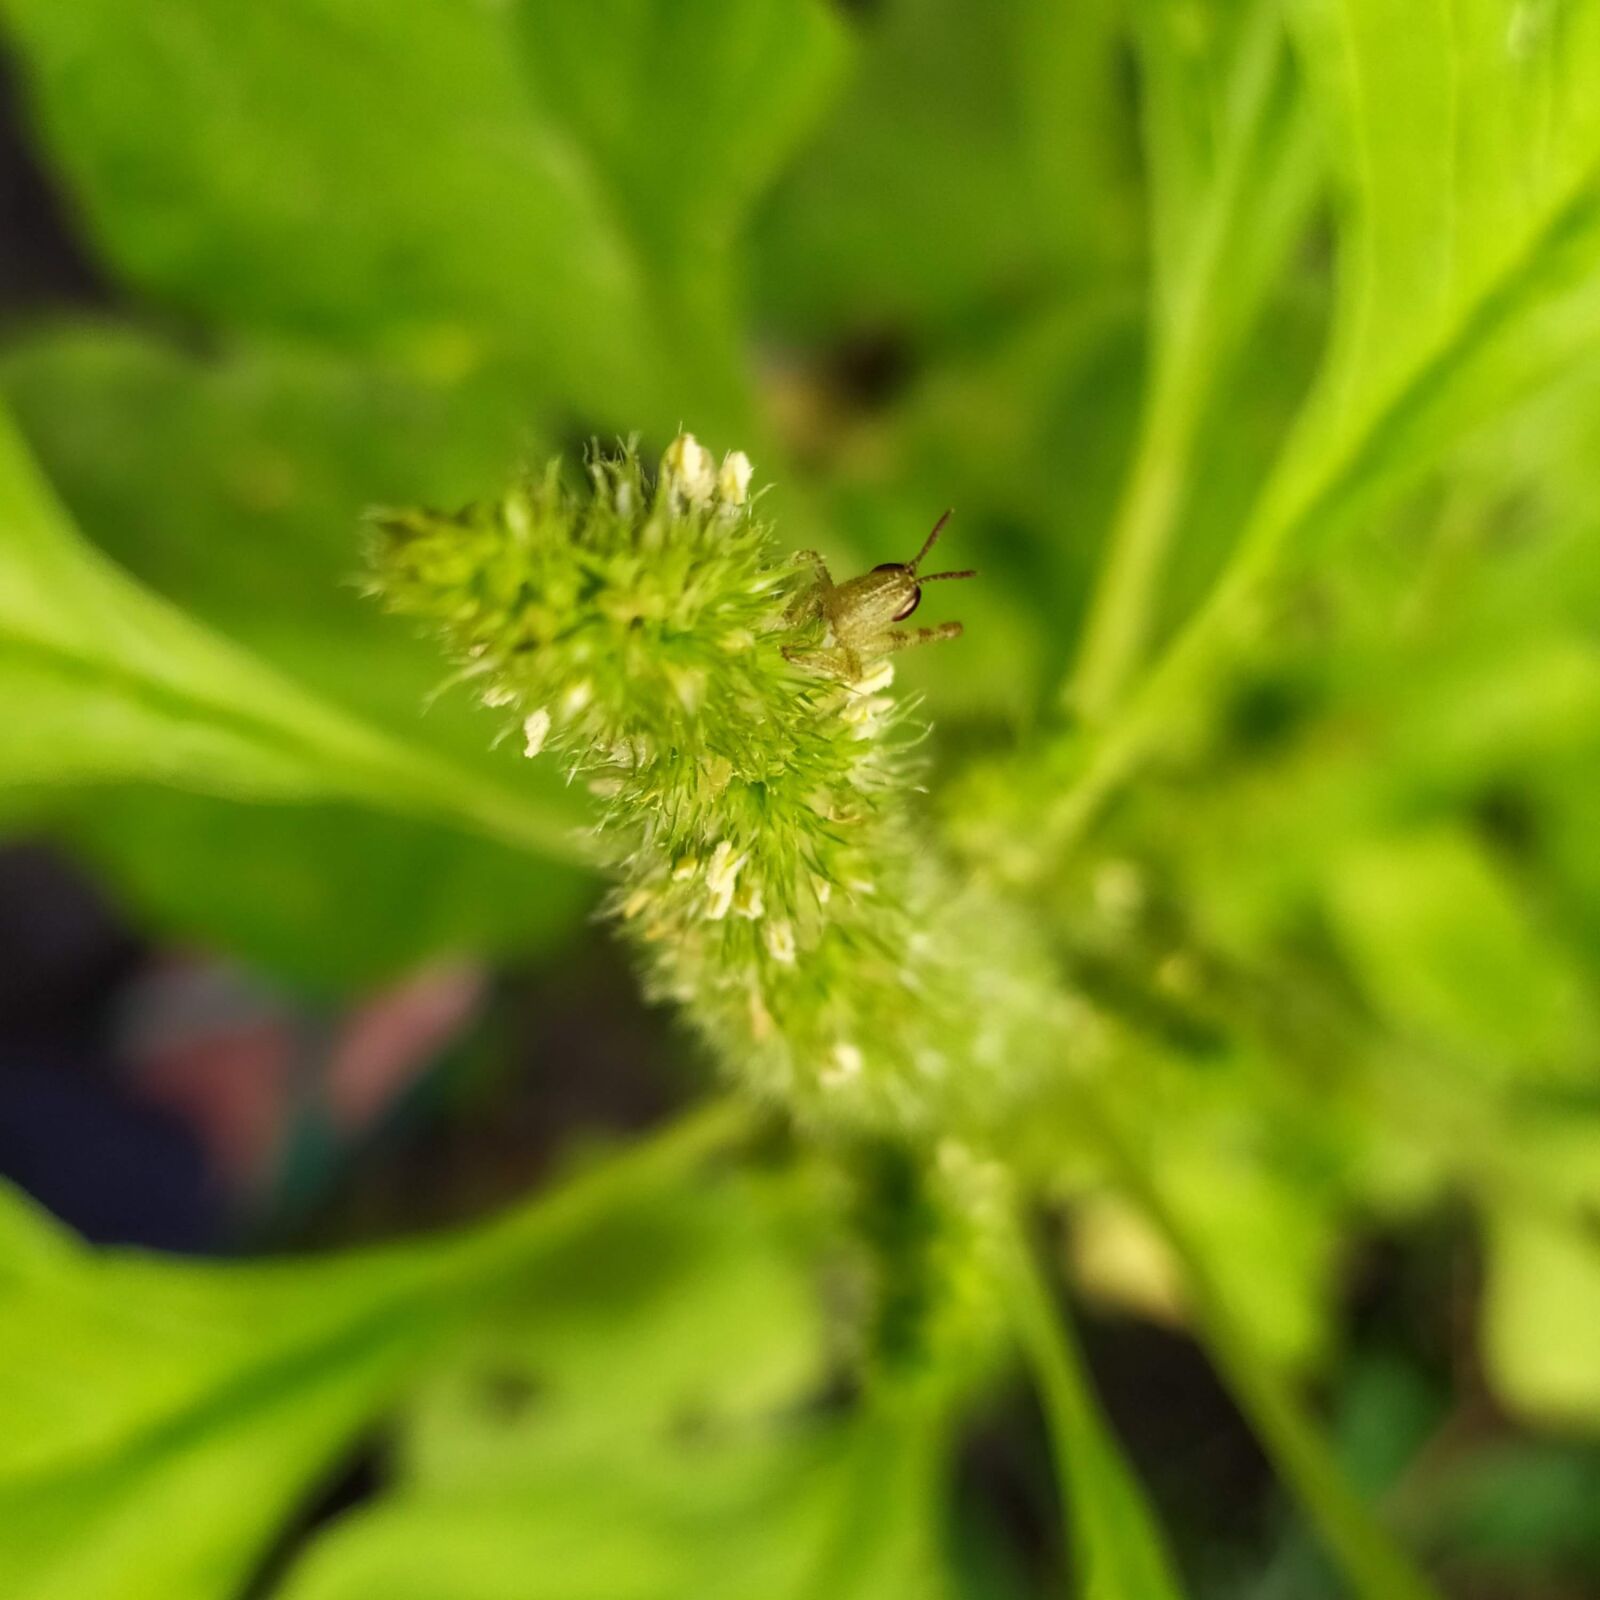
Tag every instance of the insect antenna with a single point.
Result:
(928, 543)
(934, 577)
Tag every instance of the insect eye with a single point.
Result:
(889, 566)
(910, 606)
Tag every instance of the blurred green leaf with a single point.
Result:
(938, 188)
(1444, 947)
(1468, 152)
(684, 109)
(718, 1276)
(233, 483)
(107, 682)
(1371, 1563)
(1541, 1309)
(325, 896)
(1077, 135)
(1386, 1415)
(238, 494)
(1468, 146)
(803, 1509)
(1517, 1507)
(451, 184)
(164, 1417)
(1270, 1236)
(567, 1455)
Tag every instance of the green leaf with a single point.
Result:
(233, 484)
(105, 682)
(1542, 1267)
(326, 896)
(636, 1425)
(684, 108)
(1268, 1233)
(1449, 954)
(1078, 136)
(1517, 1506)
(1541, 1309)
(802, 1510)
(681, 112)
(238, 497)
(455, 184)
(1468, 145)
(934, 192)
(164, 1417)
(699, 1309)
(1467, 142)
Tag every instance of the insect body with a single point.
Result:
(861, 614)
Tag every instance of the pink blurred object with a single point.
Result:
(242, 1064)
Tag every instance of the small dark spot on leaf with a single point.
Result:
(1507, 818)
(508, 1394)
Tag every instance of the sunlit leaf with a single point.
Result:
(106, 682)
(234, 485)
(164, 1417)
(1468, 145)
(1443, 945)
(564, 1457)
(450, 184)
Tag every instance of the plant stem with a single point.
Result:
(1200, 318)
(1373, 1564)
(550, 1220)
(1117, 1547)
(1121, 614)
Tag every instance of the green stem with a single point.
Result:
(1194, 332)
(1314, 482)
(551, 1220)
(1375, 1567)
(1121, 614)
(1117, 1546)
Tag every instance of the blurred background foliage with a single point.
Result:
(1256, 345)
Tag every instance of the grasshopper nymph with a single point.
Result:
(861, 613)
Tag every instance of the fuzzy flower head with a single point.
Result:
(641, 630)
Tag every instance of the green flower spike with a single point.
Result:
(754, 807)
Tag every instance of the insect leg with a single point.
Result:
(829, 661)
(811, 602)
(905, 638)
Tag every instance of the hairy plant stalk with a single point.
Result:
(754, 808)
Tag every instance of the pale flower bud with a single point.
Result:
(686, 465)
(733, 482)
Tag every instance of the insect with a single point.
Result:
(862, 612)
